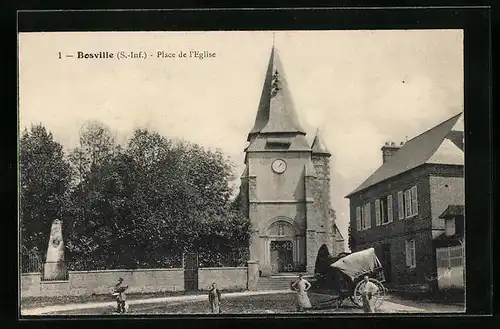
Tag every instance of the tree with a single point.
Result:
(146, 204)
(351, 240)
(44, 182)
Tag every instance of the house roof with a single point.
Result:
(276, 112)
(435, 146)
(453, 210)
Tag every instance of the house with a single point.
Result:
(450, 253)
(397, 210)
(285, 186)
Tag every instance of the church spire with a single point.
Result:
(318, 146)
(276, 113)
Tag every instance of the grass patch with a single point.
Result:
(256, 304)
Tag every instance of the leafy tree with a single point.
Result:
(146, 204)
(351, 240)
(44, 182)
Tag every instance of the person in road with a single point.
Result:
(368, 290)
(302, 286)
(120, 296)
(214, 298)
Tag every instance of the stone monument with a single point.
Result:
(55, 266)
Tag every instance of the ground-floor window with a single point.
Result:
(410, 253)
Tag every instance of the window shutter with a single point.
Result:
(368, 220)
(389, 208)
(358, 219)
(407, 203)
(414, 200)
(400, 205)
(407, 253)
(377, 212)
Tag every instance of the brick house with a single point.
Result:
(397, 209)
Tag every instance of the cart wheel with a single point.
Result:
(379, 296)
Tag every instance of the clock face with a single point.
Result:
(279, 166)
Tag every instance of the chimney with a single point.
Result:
(389, 149)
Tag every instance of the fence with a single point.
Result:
(31, 263)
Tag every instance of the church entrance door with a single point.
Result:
(281, 256)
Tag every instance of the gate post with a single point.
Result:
(252, 274)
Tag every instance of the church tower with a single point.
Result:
(285, 187)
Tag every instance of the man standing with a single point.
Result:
(368, 290)
(120, 297)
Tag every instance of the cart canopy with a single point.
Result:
(358, 263)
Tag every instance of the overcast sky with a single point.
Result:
(360, 88)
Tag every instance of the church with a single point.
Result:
(285, 186)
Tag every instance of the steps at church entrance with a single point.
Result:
(278, 282)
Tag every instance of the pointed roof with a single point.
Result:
(433, 146)
(318, 145)
(276, 113)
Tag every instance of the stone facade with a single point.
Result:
(285, 188)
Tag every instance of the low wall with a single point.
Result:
(225, 277)
(82, 283)
(30, 284)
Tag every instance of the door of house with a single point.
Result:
(386, 261)
(281, 256)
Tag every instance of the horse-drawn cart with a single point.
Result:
(346, 278)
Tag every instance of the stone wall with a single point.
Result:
(225, 277)
(81, 283)
(30, 284)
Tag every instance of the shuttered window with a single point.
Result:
(410, 253)
(414, 201)
(407, 203)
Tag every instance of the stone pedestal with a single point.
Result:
(55, 271)
(252, 275)
(55, 266)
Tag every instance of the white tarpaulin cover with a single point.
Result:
(358, 263)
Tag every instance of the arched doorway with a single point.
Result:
(282, 246)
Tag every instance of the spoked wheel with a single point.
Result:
(379, 296)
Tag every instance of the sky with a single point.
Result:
(359, 88)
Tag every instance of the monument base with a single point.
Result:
(55, 271)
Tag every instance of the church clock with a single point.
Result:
(279, 166)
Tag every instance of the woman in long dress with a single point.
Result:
(214, 297)
(302, 286)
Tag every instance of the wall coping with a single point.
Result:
(127, 270)
(222, 268)
(31, 274)
(54, 281)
